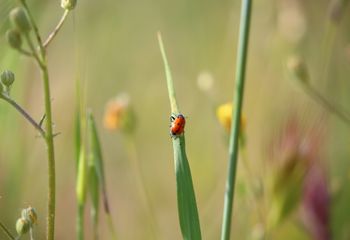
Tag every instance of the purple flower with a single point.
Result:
(316, 204)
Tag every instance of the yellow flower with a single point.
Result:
(224, 115)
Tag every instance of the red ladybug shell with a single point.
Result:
(177, 126)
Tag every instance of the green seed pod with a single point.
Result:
(22, 226)
(14, 38)
(7, 78)
(19, 19)
(1, 88)
(68, 4)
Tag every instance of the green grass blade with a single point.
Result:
(186, 199)
(97, 157)
(236, 116)
(96, 175)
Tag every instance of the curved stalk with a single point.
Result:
(24, 114)
(56, 30)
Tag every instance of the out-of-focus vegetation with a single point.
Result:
(111, 47)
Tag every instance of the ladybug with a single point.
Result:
(177, 125)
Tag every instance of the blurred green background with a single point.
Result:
(112, 47)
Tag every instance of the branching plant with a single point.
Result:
(24, 27)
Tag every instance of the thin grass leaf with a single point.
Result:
(95, 172)
(186, 199)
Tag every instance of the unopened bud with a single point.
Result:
(14, 38)
(19, 19)
(30, 214)
(299, 69)
(7, 78)
(68, 4)
(22, 226)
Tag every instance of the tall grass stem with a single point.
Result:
(236, 116)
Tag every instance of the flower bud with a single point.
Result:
(30, 215)
(14, 38)
(22, 226)
(19, 19)
(7, 78)
(68, 4)
(119, 115)
(299, 69)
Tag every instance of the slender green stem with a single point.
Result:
(111, 226)
(50, 235)
(57, 29)
(332, 108)
(24, 114)
(31, 234)
(236, 116)
(6, 231)
(51, 157)
(25, 52)
(32, 48)
(35, 28)
(170, 84)
(80, 222)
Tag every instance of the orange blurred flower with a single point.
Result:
(119, 115)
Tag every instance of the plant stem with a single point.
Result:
(24, 114)
(332, 108)
(80, 222)
(111, 226)
(25, 52)
(56, 30)
(50, 234)
(6, 231)
(236, 116)
(31, 46)
(51, 156)
(35, 27)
